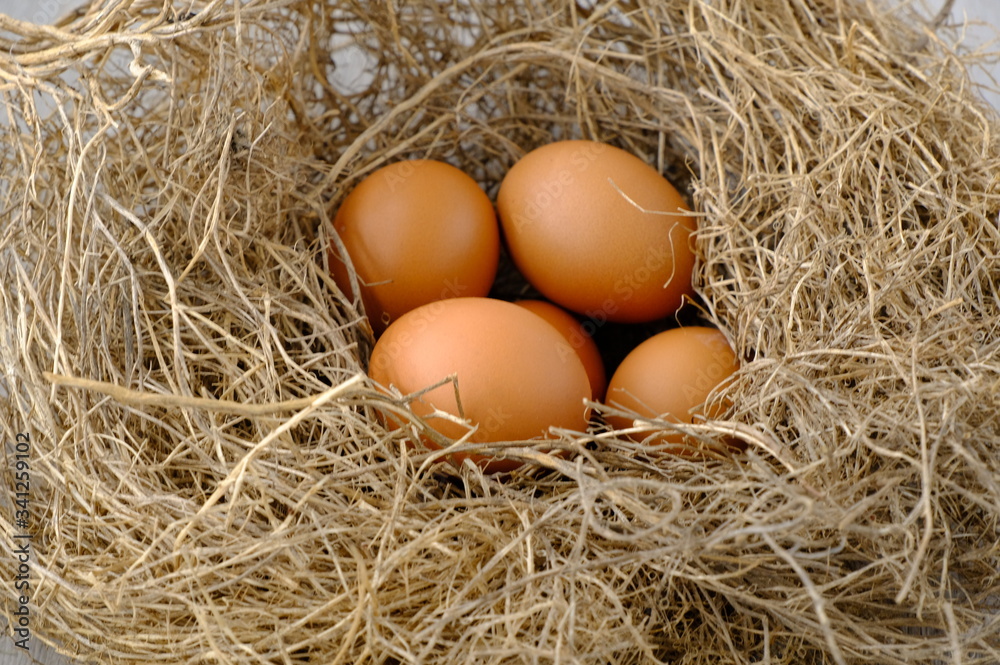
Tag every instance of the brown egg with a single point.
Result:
(514, 378)
(416, 232)
(669, 376)
(577, 340)
(598, 231)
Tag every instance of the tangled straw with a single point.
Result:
(210, 479)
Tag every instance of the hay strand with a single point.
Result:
(210, 478)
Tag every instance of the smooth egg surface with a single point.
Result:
(577, 340)
(416, 232)
(669, 376)
(599, 231)
(514, 378)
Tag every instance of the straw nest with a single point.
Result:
(210, 482)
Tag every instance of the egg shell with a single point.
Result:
(669, 376)
(598, 231)
(514, 379)
(577, 340)
(416, 232)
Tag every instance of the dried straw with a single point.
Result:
(209, 480)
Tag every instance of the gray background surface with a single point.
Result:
(37, 11)
(986, 12)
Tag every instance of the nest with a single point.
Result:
(209, 478)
